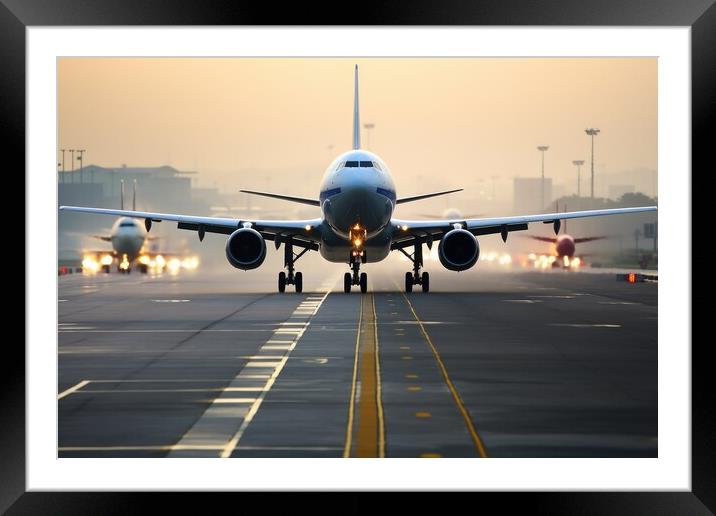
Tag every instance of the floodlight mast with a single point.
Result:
(592, 132)
(542, 148)
(579, 163)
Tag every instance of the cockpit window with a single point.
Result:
(126, 224)
(357, 164)
(376, 166)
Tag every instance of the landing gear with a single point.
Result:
(143, 268)
(292, 278)
(105, 269)
(356, 277)
(347, 282)
(415, 277)
(298, 282)
(282, 281)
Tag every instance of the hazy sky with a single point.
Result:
(439, 122)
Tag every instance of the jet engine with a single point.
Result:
(246, 249)
(458, 250)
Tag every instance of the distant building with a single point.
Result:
(616, 191)
(162, 189)
(527, 197)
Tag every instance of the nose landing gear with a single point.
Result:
(292, 278)
(415, 277)
(357, 277)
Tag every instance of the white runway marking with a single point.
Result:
(88, 329)
(219, 430)
(72, 389)
(524, 301)
(587, 325)
(617, 303)
(169, 447)
(170, 300)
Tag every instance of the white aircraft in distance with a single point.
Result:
(128, 238)
(357, 200)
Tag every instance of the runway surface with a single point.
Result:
(522, 364)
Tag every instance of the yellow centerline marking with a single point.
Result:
(351, 405)
(370, 431)
(456, 396)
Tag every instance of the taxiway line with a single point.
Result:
(451, 386)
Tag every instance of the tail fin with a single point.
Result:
(134, 195)
(121, 194)
(356, 115)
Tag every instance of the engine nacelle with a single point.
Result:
(245, 249)
(458, 250)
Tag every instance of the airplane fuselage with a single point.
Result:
(565, 246)
(127, 236)
(357, 190)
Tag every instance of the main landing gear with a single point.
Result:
(292, 278)
(357, 277)
(415, 278)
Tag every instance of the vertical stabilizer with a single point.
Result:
(121, 194)
(134, 195)
(356, 115)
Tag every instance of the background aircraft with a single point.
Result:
(129, 241)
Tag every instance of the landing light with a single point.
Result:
(106, 260)
(357, 242)
(308, 227)
(404, 227)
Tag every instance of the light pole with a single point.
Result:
(579, 163)
(592, 132)
(72, 160)
(368, 127)
(63, 165)
(82, 170)
(542, 148)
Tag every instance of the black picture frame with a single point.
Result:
(700, 15)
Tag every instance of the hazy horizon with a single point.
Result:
(439, 122)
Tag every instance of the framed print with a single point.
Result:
(563, 362)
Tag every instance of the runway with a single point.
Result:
(488, 364)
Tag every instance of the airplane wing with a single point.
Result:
(425, 196)
(298, 232)
(300, 200)
(106, 238)
(588, 239)
(544, 239)
(411, 232)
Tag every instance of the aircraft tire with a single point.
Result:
(363, 282)
(298, 281)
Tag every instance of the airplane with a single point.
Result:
(565, 245)
(357, 198)
(128, 238)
